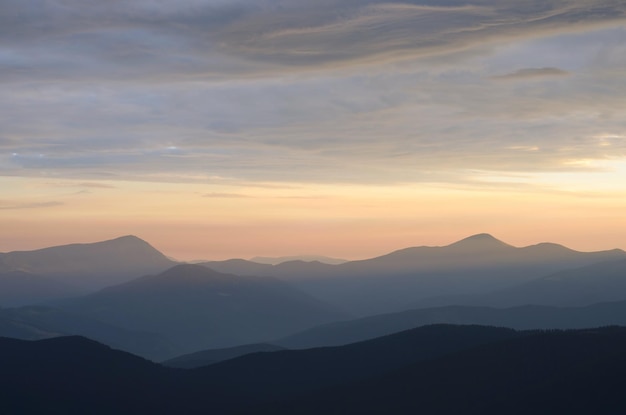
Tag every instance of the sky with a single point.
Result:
(233, 128)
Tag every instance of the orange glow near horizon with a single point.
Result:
(196, 221)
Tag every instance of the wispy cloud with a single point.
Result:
(199, 39)
(531, 73)
(225, 195)
(271, 93)
(304, 33)
(94, 185)
(4, 205)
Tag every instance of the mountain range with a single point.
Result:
(283, 339)
(188, 308)
(403, 278)
(478, 270)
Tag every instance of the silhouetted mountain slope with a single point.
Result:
(209, 357)
(20, 287)
(77, 376)
(436, 369)
(392, 282)
(91, 266)
(266, 377)
(74, 375)
(36, 322)
(523, 317)
(577, 372)
(199, 308)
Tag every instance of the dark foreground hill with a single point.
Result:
(273, 376)
(198, 308)
(576, 372)
(431, 370)
(74, 375)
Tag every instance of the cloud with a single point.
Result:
(4, 205)
(336, 32)
(95, 185)
(6, 142)
(149, 41)
(531, 73)
(225, 195)
(271, 93)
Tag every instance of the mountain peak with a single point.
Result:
(481, 241)
(91, 265)
(480, 237)
(131, 245)
(193, 273)
(127, 239)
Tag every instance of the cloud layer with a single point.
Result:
(359, 91)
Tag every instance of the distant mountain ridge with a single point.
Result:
(392, 282)
(477, 264)
(305, 258)
(462, 271)
(84, 267)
